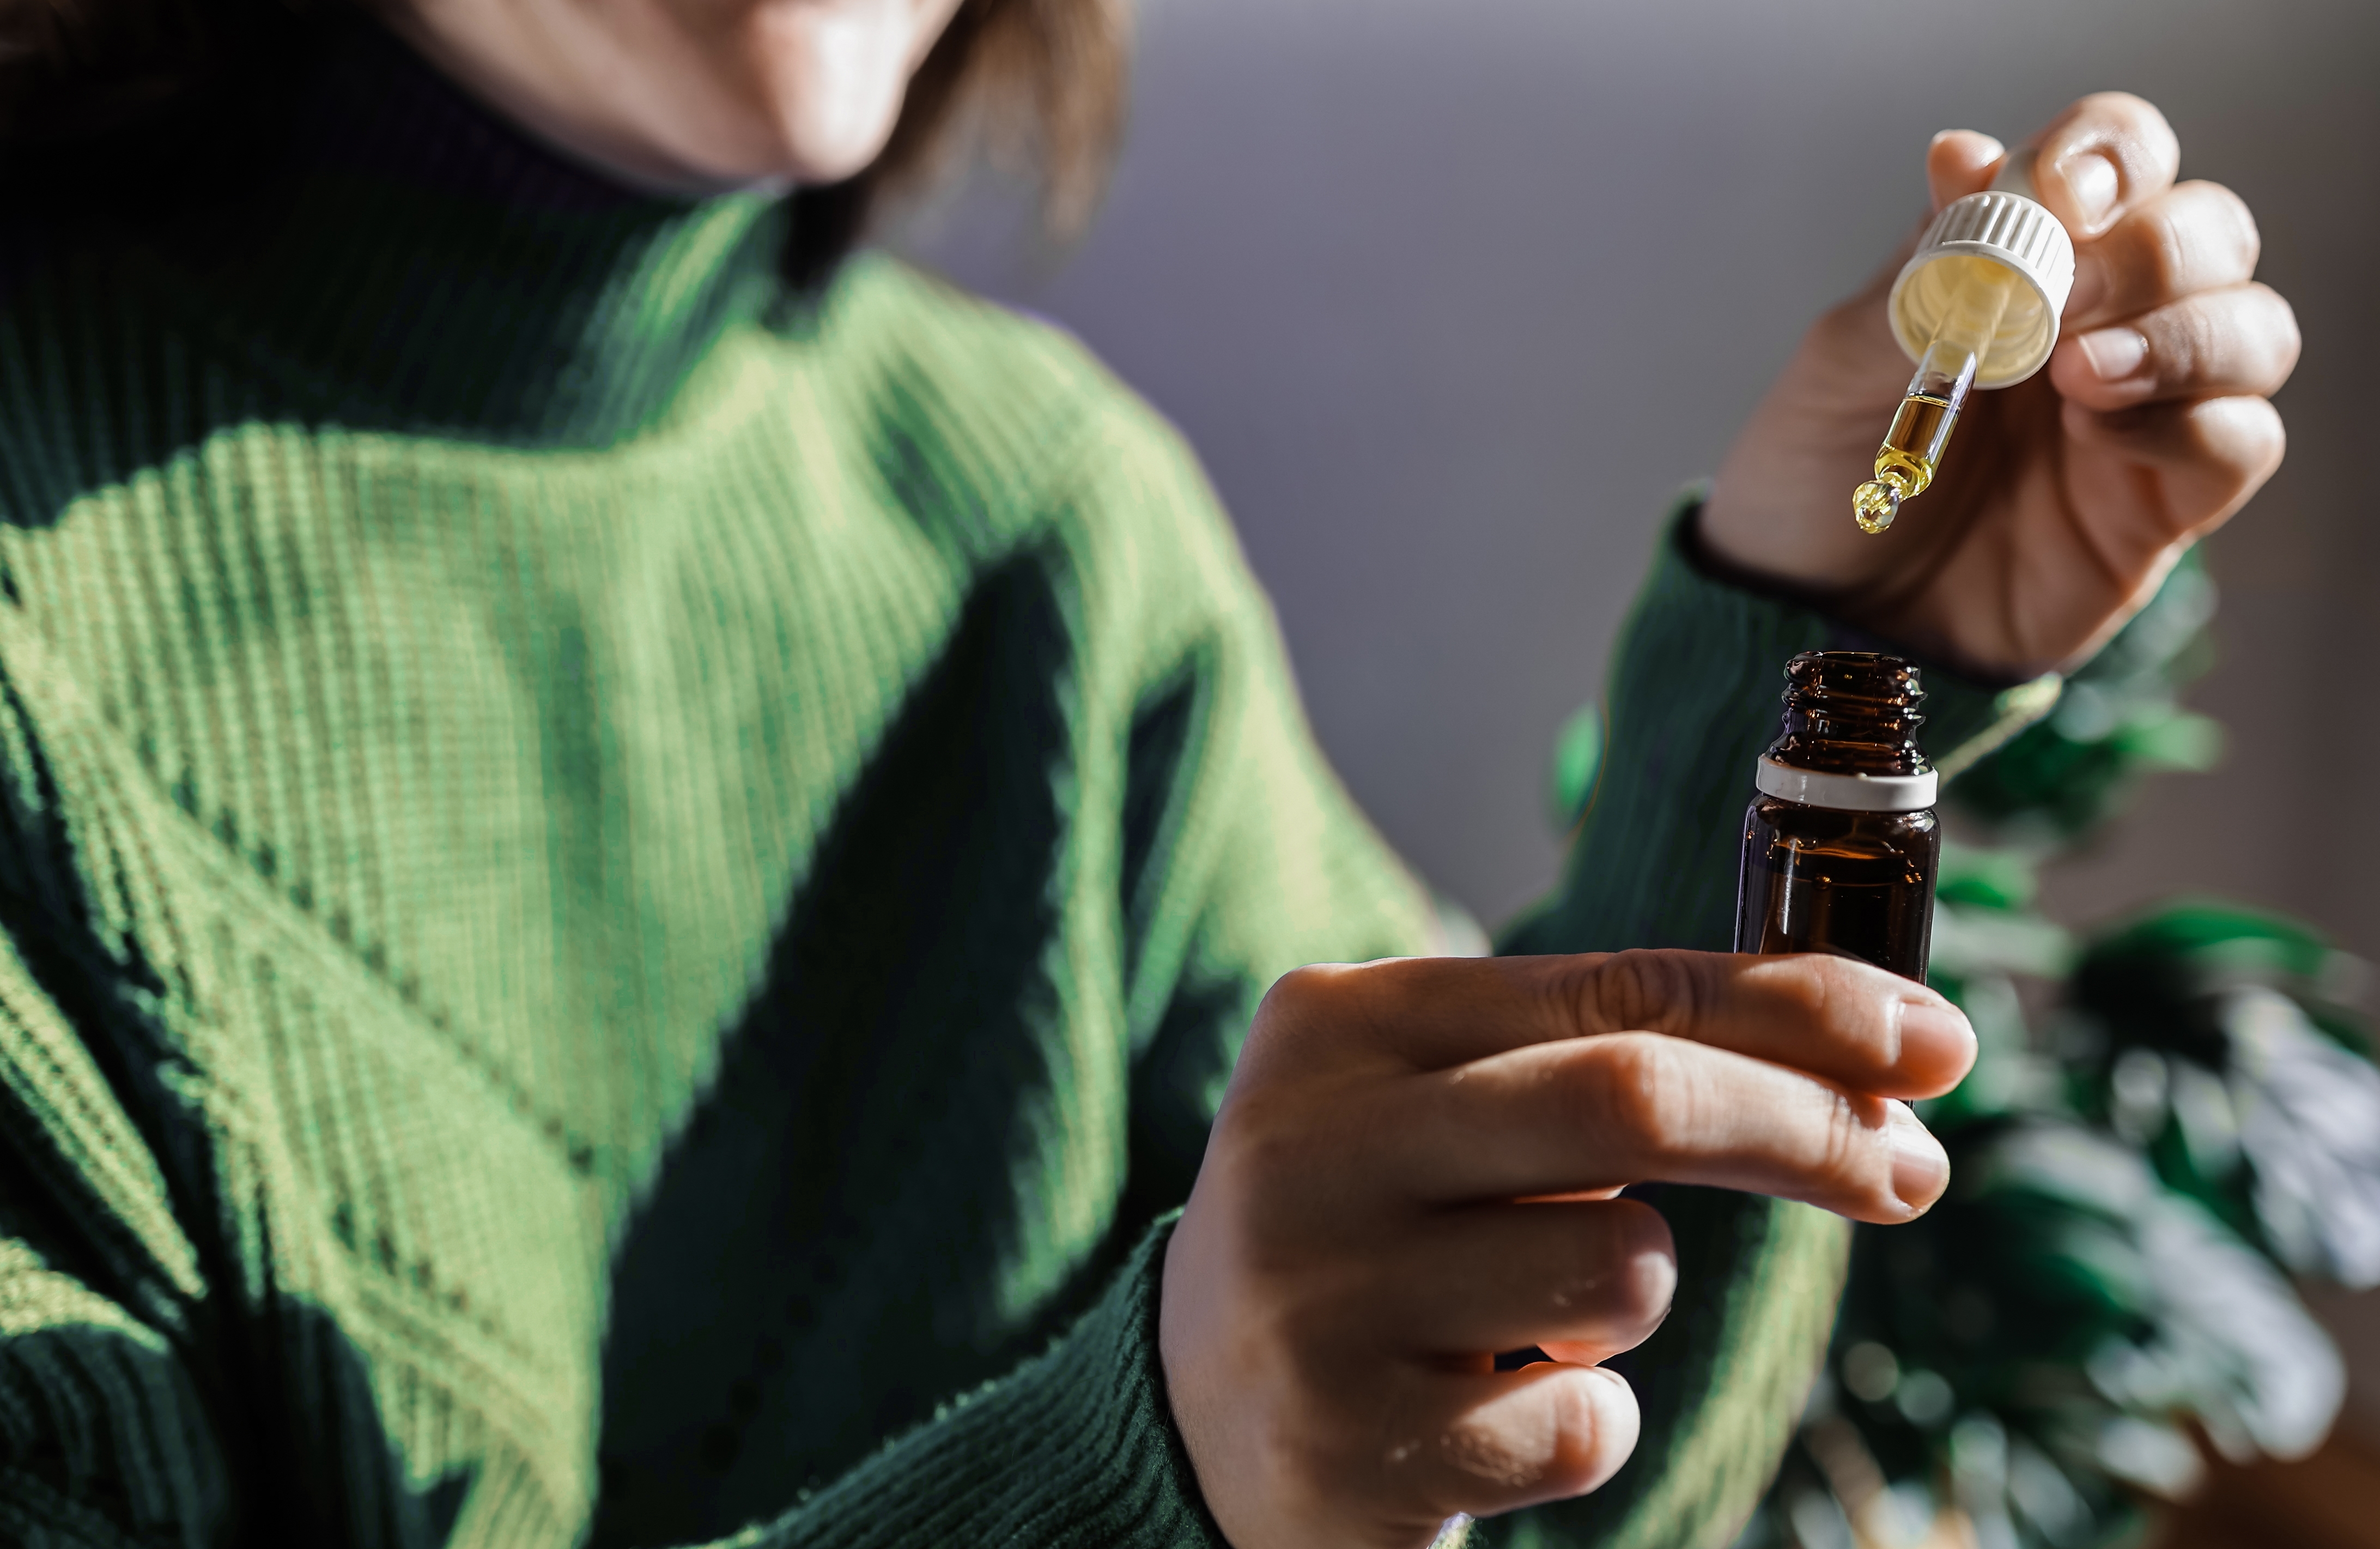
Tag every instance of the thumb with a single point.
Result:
(1962, 162)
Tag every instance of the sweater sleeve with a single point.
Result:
(1074, 1447)
(1693, 700)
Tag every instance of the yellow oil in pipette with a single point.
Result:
(1912, 453)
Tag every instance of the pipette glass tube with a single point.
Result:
(1913, 448)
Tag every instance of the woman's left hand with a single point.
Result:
(2062, 501)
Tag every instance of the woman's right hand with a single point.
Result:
(1414, 1168)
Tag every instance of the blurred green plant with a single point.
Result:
(2188, 1118)
(2119, 717)
(1578, 759)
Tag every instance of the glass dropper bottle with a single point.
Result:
(1840, 844)
(1975, 306)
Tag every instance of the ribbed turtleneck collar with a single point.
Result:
(382, 249)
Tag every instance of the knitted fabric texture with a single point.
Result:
(623, 898)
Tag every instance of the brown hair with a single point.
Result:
(1043, 80)
(1036, 82)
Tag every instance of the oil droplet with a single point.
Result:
(1873, 504)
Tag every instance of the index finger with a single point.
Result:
(2109, 153)
(1849, 1022)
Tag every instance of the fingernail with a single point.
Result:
(1921, 1169)
(2092, 182)
(1934, 1035)
(1995, 153)
(2114, 353)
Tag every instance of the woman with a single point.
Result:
(637, 854)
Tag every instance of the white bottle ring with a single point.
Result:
(1847, 793)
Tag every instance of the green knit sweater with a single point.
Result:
(624, 898)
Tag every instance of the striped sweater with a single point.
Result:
(624, 897)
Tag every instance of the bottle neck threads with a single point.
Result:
(1850, 737)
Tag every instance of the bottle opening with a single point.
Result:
(1852, 713)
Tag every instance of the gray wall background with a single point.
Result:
(1452, 297)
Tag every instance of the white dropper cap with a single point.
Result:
(2006, 225)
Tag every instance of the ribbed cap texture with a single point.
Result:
(2006, 229)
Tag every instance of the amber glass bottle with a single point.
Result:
(1840, 846)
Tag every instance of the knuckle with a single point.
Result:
(1491, 1454)
(1640, 1091)
(1848, 1007)
(1612, 1278)
(1637, 1293)
(2283, 341)
(2199, 238)
(1572, 1465)
(1553, 1443)
(1281, 1035)
(1573, 997)
(1850, 1150)
(2231, 225)
(2227, 446)
(2127, 129)
(2195, 344)
(1580, 1454)
(1298, 991)
(1491, 1457)
(1299, 1009)
(2244, 434)
(2120, 105)
(2262, 439)
(2134, 119)
(1818, 992)
(1821, 986)
(2161, 250)
(2209, 236)
(1643, 988)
